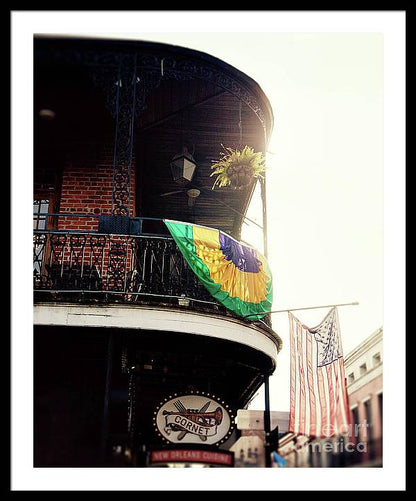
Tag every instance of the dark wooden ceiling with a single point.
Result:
(201, 117)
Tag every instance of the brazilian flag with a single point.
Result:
(236, 275)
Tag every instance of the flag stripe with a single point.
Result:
(345, 394)
(338, 396)
(318, 408)
(325, 420)
(329, 396)
(292, 412)
(301, 384)
(305, 388)
(344, 401)
(311, 389)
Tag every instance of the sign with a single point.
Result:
(194, 418)
(254, 420)
(219, 458)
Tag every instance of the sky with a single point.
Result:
(335, 159)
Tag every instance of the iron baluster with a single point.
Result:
(116, 264)
(144, 261)
(39, 243)
(55, 268)
(138, 264)
(96, 263)
(175, 268)
(76, 260)
(162, 259)
(156, 266)
(132, 281)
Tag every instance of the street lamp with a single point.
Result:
(183, 167)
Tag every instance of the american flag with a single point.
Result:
(318, 395)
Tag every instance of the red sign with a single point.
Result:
(223, 458)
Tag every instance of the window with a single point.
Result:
(351, 378)
(355, 415)
(356, 422)
(369, 419)
(40, 207)
(363, 369)
(380, 406)
(376, 359)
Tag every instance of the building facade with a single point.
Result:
(137, 360)
(254, 444)
(364, 372)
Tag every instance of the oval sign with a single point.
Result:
(194, 418)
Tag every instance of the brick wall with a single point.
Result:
(87, 182)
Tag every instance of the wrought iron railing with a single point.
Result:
(75, 265)
(123, 265)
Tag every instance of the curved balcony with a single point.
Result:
(138, 269)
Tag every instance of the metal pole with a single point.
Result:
(263, 197)
(306, 308)
(264, 202)
(267, 450)
(315, 307)
(106, 427)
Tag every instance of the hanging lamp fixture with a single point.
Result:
(183, 166)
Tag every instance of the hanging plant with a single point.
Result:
(237, 168)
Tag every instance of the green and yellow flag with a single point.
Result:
(236, 275)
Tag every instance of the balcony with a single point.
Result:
(109, 268)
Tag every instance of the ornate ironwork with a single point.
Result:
(123, 149)
(117, 265)
(186, 69)
(103, 65)
(133, 85)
